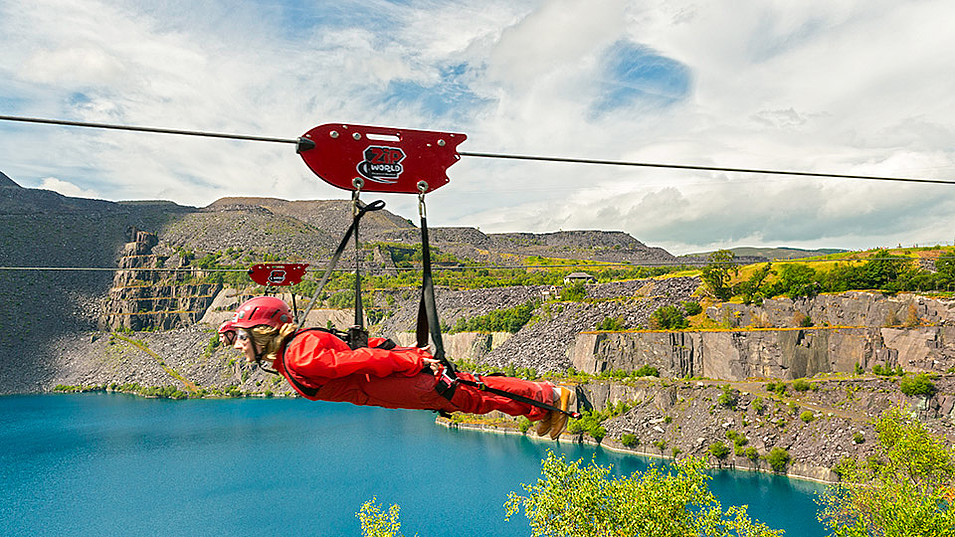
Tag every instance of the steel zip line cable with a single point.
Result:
(538, 158)
(701, 168)
(150, 129)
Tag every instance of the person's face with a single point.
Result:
(227, 339)
(243, 342)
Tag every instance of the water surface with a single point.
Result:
(109, 464)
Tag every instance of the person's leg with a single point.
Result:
(475, 401)
(418, 392)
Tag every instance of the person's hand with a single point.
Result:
(431, 361)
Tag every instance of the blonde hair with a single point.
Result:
(271, 340)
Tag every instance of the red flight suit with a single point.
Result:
(320, 366)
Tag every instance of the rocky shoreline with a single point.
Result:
(829, 422)
(611, 445)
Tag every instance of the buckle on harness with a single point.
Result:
(446, 385)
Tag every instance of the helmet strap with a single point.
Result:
(258, 358)
(267, 370)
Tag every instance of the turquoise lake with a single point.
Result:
(109, 464)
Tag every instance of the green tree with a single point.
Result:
(720, 268)
(883, 268)
(574, 292)
(910, 491)
(378, 523)
(720, 450)
(797, 280)
(582, 502)
(691, 307)
(728, 398)
(755, 289)
(668, 318)
(778, 458)
(612, 324)
(945, 265)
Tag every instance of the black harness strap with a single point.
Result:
(362, 209)
(428, 324)
(447, 385)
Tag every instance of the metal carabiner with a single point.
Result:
(422, 189)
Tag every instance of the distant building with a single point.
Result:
(581, 277)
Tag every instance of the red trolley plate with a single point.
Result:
(276, 274)
(386, 159)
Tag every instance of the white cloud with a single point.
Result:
(66, 188)
(844, 86)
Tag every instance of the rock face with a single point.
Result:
(786, 353)
(147, 295)
(688, 417)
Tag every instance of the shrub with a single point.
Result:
(858, 438)
(719, 450)
(778, 458)
(587, 501)
(668, 318)
(888, 371)
(751, 453)
(807, 416)
(737, 438)
(728, 398)
(524, 424)
(503, 320)
(574, 292)
(630, 440)
(646, 371)
(611, 324)
(692, 308)
(801, 385)
(920, 384)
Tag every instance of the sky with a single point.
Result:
(859, 87)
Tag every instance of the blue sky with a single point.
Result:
(853, 87)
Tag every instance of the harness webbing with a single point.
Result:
(353, 228)
(446, 386)
(428, 324)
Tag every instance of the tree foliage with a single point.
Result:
(755, 289)
(570, 500)
(503, 320)
(909, 490)
(718, 272)
(778, 458)
(919, 384)
(668, 317)
(378, 523)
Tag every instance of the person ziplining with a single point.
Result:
(320, 366)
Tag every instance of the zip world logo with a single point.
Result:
(382, 164)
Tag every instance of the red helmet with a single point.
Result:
(227, 326)
(266, 310)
